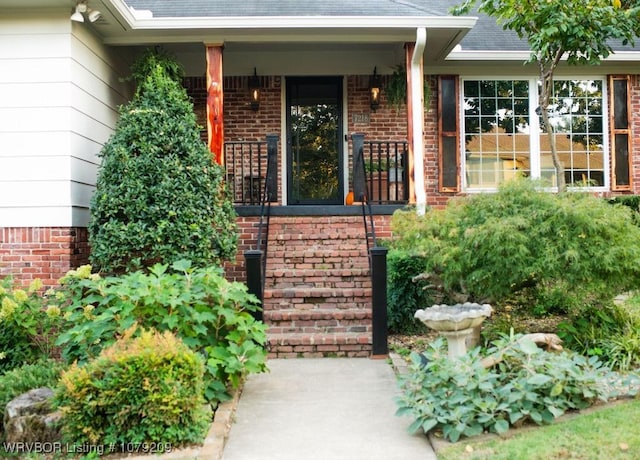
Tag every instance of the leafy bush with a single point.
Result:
(630, 201)
(27, 377)
(610, 332)
(147, 389)
(28, 326)
(487, 247)
(208, 313)
(159, 195)
(461, 397)
(405, 295)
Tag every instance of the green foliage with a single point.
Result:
(27, 377)
(461, 397)
(159, 195)
(143, 389)
(555, 251)
(210, 315)
(630, 201)
(580, 29)
(396, 88)
(28, 323)
(609, 332)
(404, 295)
(150, 61)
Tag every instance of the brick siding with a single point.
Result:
(27, 253)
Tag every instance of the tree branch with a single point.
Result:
(552, 341)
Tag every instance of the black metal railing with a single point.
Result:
(386, 171)
(377, 254)
(246, 165)
(256, 259)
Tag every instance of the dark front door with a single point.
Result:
(314, 140)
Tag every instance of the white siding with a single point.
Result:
(59, 96)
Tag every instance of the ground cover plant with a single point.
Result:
(464, 397)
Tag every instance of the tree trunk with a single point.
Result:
(546, 76)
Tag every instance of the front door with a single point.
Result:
(314, 140)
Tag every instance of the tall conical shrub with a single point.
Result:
(159, 196)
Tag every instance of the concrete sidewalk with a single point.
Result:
(324, 409)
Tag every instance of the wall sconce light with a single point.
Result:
(375, 87)
(254, 90)
(81, 9)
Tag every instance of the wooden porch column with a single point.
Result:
(215, 125)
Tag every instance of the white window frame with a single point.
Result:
(535, 131)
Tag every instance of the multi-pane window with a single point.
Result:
(503, 135)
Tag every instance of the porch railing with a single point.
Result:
(385, 170)
(246, 171)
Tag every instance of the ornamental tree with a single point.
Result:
(159, 195)
(579, 31)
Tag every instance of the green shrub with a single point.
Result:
(461, 397)
(630, 201)
(609, 332)
(27, 377)
(208, 313)
(487, 247)
(404, 295)
(159, 195)
(147, 389)
(28, 323)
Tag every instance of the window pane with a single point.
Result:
(620, 106)
(622, 159)
(497, 141)
(575, 114)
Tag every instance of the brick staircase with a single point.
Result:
(317, 297)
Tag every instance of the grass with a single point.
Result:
(610, 432)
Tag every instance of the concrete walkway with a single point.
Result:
(323, 409)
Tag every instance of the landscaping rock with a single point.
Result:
(29, 418)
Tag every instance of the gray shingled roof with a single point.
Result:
(213, 8)
(487, 35)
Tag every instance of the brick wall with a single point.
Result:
(46, 253)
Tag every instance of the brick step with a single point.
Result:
(348, 272)
(334, 278)
(326, 263)
(351, 344)
(316, 321)
(317, 252)
(316, 298)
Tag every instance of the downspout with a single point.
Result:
(417, 100)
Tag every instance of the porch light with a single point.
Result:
(77, 16)
(82, 9)
(375, 86)
(94, 15)
(254, 90)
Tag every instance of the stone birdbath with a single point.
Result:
(455, 322)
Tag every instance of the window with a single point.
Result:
(503, 136)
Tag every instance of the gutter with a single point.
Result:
(417, 100)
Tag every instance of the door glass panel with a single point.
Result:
(315, 147)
